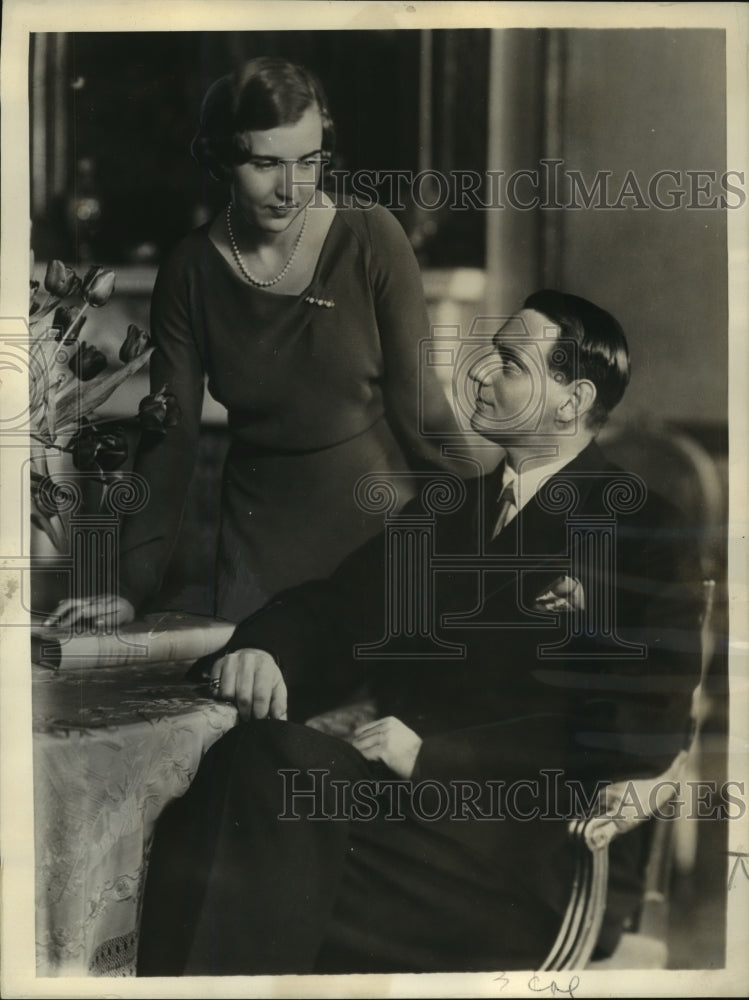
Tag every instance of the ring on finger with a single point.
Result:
(215, 684)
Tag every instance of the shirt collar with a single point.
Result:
(526, 483)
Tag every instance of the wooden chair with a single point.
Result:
(592, 836)
(672, 463)
(675, 465)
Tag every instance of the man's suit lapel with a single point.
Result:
(539, 530)
(536, 532)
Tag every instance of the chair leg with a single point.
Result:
(581, 924)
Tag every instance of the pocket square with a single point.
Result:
(565, 594)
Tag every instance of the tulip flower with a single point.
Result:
(97, 287)
(83, 449)
(70, 379)
(158, 411)
(111, 450)
(87, 362)
(60, 280)
(69, 322)
(93, 449)
(135, 343)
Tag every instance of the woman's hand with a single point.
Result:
(390, 741)
(101, 610)
(252, 679)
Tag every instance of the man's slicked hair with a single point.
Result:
(601, 354)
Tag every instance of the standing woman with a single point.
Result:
(306, 317)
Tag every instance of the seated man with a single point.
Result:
(563, 653)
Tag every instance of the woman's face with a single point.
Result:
(280, 178)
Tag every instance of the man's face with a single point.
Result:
(516, 397)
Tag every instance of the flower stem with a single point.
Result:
(49, 444)
(103, 496)
(44, 310)
(76, 321)
(51, 525)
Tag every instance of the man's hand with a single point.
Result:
(390, 741)
(252, 679)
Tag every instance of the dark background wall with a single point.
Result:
(647, 102)
(125, 106)
(627, 103)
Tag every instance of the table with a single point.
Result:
(112, 746)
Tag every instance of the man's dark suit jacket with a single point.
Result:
(501, 712)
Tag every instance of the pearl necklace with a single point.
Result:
(240, 263)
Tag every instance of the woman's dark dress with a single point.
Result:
(316, 397)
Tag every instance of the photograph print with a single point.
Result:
(368, 582)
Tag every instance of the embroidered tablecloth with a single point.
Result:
(112, 746)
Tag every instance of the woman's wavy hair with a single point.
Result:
(592, 345)
(261, 94)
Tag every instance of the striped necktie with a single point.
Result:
(506, 505)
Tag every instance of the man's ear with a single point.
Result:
(581, 395)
